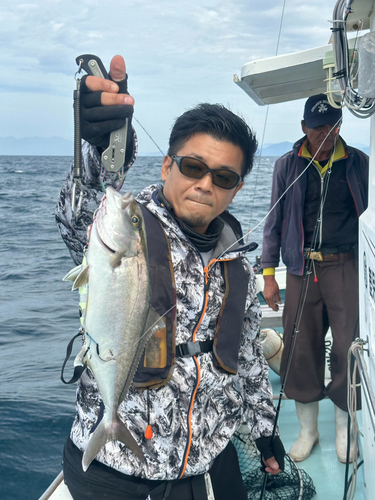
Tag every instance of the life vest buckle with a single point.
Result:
(189, 349)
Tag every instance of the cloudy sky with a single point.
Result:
(178, 53)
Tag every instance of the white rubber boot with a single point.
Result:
(308, 436)
(341, 422)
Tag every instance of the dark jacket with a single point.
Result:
(284, 226)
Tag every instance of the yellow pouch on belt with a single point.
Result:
(315, 256)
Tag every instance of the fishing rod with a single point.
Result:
(293, 340)
(309, 265)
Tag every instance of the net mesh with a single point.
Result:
(291, 484)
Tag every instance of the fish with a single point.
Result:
(119, 319)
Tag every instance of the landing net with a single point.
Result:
(291, 484)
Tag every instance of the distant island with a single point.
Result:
(57, 146)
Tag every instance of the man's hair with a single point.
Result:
(221, 124)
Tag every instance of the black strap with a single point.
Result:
(193, 348)
(78, 370)
(198, 486)
(167, 491)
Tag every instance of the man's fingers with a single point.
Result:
(109, 95)
(271, 292)
(272, 466)
(108, 99)
(273, 306)
(110, 91)
(117, 68)
(104, 113)
(95, 83)
(105, 105)
(271, 302)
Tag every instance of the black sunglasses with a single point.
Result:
(196, 169)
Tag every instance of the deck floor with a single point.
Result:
(323, 466)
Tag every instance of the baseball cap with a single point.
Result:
(319, 112)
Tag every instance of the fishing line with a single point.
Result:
(97, 349)
(148, 135)
(131, 345)
(337, 124)
(152, 326)
(265, 124)
(257, 170)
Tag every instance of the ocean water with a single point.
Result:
(38, 312)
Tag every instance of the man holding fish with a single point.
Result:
(176, 366)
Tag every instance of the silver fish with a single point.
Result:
(119, 320)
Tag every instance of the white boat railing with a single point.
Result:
(52, 487)
(367, 391)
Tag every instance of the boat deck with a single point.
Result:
(323, 466)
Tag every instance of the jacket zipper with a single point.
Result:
(320, 215)
(189, 435)
(321, 211)
(197, 366)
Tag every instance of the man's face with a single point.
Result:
(198, 201)
(323, 137)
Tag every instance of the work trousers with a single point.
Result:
(100, 482)
(331, 301)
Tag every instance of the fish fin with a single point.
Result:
(109, 431)
(82, 278)
(115, 259)
(73, 273)
(126, 199)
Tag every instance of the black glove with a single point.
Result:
(268, 450)
(98, 121)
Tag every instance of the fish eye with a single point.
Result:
(135, 220)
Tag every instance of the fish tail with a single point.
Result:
(105, 432)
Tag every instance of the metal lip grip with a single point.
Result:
(113, 158)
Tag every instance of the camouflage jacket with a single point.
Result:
(222, 401)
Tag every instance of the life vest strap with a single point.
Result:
(189, 349)
(78, 370)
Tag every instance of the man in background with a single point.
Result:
(317, 218)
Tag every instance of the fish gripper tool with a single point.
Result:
(113, 158)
